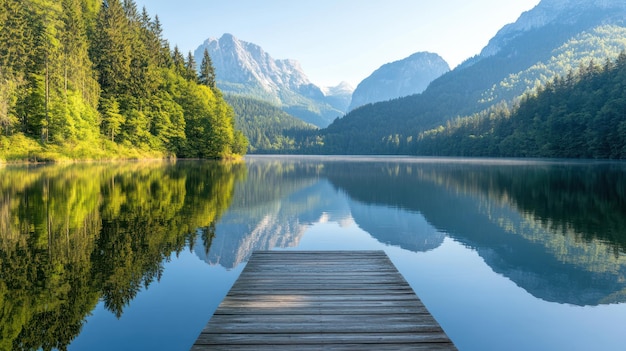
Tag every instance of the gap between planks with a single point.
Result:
(335, 300)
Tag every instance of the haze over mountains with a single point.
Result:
(399, 78)
(555, 37)
(404, 99)
(556, 12)
(244, 68)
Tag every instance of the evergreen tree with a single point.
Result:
(191, 68)
(16, 36)
(77, 73)
(178, 61)
(161, 46)
(207, 72)
(111, 48)
(579, 116)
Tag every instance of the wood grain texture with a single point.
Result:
(330, 300)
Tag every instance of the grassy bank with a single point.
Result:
(18, 149)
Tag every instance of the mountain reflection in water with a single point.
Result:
(558, 230)
(74, 235)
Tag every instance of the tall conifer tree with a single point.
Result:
(111, 49)
(207, 72)
(191, 73)
(178, 61)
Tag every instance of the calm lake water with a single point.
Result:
(506, 254)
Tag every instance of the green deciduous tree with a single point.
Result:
(112, 120)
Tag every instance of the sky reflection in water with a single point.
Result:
(492, 247)
(513, 255)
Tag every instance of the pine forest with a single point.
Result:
(93, 79)
(579, 115)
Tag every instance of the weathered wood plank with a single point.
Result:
(311, 299)
(416, 319)
(251, 324)
(316, 305)
(330, 347)
(324, 290)
(321, 338)
(336, 300)
(356, 311)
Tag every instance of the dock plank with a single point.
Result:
(334, 300)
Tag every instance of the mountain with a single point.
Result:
(400, 78)
(576, 116)
(555, 12)
(573, 231)
(396, 226)
(244, 68)
(551, 39)
(339, 96)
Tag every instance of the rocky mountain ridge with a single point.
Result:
(339, 95)
(253, 63)
(399, 78)
(552, 12)
(244, 68)
(548, 41)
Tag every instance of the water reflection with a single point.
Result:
(558, 230)
(396, 226)
(72, 235)
(546, 227)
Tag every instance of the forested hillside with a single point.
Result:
(526, 61)
(267, 127)
(92, 79)
(579, 115)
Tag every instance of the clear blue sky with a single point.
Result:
(340, 40)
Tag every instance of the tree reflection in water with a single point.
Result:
(74, 235)
(71, 235)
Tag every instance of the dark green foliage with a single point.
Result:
(581, 115)
(267, 127)
(526, 62)
(178, 61)
(99, 76)
(112, 50)
(16, 36)
(190, 68)
(207, 71)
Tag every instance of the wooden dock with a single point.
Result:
(321, 300)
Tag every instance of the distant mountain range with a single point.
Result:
(405, 98)
(340, 95)
(547, 41)
(400, 78)
(244, 68)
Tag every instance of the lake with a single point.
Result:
(506, 254)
